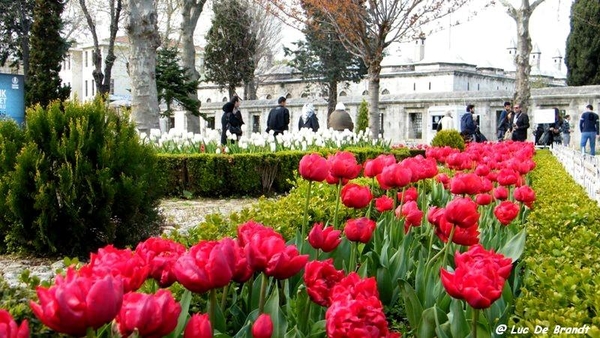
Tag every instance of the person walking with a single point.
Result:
(447, 121)
(588, 125)
(279, 118)
(339, 120)
(468, 127)
(231, 120)
(309, 118)
(504, 123)
(520, 124)
(566, 129)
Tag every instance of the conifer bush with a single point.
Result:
(80, 181)
(450, 138)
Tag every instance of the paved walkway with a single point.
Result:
(179, 214)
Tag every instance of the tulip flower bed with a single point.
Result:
(562, 253)
(427, 254)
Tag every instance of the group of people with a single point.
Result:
(512, 124)
(278, 120)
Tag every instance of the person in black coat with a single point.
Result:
(231, 120)
(279, 118)
(520, 124)
(308, 118)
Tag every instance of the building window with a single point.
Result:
(381, 125)
(256, 123)
(268, 97)
(85, 58)
(305, 95)
(208, 100)
(210, 122)
(112, 86)
(468, 86)
(86, 88)
(385, 92)
(93, 88)
(343, 93)
(69, 61)
(288, 96)
(478, 86)
(429, 85)
(224, 99)
(414, 86)
(365, 93)
(415, 125)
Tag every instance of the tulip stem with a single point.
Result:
(449, 243)
(263, 293)
(444, 249)
(475, 320)
(224, 297)
(305, 221)
(212, 306)
(337, 203)
(91, 333)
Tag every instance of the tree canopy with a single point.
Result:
(230, 46)
(583, 44)
(173, 82)
(16, 18)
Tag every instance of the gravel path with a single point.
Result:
(179, 214)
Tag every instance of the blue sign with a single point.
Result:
(12, 97)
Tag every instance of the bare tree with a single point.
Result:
(144, 40)
(522, 15)
(367, 28)
(267, 30)
(102, 79)
(167, 20)
(73, 20)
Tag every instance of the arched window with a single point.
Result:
(343, 93)
(208, 100)
(268, 97)
(304, 95)
(288, 96)
(224, 99)
(365, 93)
(385, 92)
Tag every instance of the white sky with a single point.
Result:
(486, 36)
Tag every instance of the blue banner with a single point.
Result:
(12, 97)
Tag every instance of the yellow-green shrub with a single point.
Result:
(450, 138)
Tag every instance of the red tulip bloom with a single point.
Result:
(9, 328)
(525, 195)
(410, 194)
(413, 216)
(75, 303)
(462, 236)
(384, 203)
(320, 277)
(359, 229)
(207, 265)
(131, 268)
(261, 248)
(394, 176)
(247, 230)
(482, 170)
(313, 167)
(242, 270)
(198, 327)
(356, 196)
(466, 184)
(330, 179)
(343, 165)
(353, 286)
(375, 166)
(478, 278)
(286, 263)
(152, 315)
(506, 212)
(444, 179)
(435, 214)
(462, 212)
(507, 177)
(483, 199)
(325, 239)
(501, 193)
(262, 327)
(160, 255)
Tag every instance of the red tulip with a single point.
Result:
(353, 287)
(343, 165)
(356, 196)
(478, 278)
(131, 268)
(410, 194)
(242, 271)
(313, 167)
(207, 265)
(320, 277)
(506, 212)
(501, 193)
(435, 214)
(9, 328)
(444, 179)
(262, 327)
(75, 303)
(152, 315)
(462, 236)
(507, 177)
(466, 184)
(525, 195)
(198, 327)
(482, 170)
(413, 216)
(384, 203)
(286, 263)
(483, 199)
(462, 212)
(375, 166)
(261, 248)
(359, 229)
(160, 255)
(325, 239)
(394, 176)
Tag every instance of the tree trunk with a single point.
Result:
(24, 39)
(250, 89)
(115, 15)
(144, 39)
(96, 53)
(522, 84)
(190, 12)
(332, 98)
(374, 119)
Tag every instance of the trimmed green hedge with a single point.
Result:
(252, 174)
(562, 253)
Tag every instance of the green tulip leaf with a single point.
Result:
(318, 330)
(515, 246)
(459, 325)
(384, 284)
(430, 324)
(412, 304)
(183, 316)
(272, 308)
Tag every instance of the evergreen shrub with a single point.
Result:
(450, 138)
(81, 180)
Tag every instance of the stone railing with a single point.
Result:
(584, 169)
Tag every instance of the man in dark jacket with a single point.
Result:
(588, 125)
(279, 118)
(520, 124)
(468, 127)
